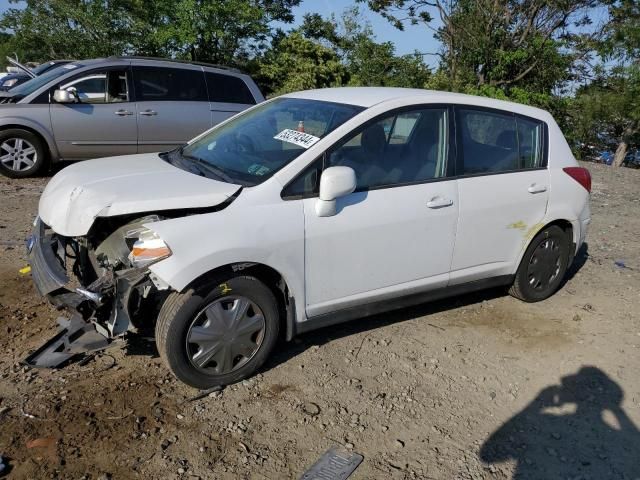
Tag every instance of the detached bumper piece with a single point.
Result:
(75, 339)
(46, 268)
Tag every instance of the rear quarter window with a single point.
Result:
(228, 89)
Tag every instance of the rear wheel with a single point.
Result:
(22, 153)
(543, 266)
(220, 333)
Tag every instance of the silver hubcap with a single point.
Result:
(18, 154)
(225, 335)
(544, 265)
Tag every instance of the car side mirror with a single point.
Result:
(64, 96)
(335, 182)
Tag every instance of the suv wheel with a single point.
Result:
(22, 153)
(218, 334)
(543, 266)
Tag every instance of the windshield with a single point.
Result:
(30, 86)
(256, 144)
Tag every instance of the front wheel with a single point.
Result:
(22, 153)
(543, 266)
(218, 334)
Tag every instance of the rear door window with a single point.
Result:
(494, 142)
(159, 84)
(228, 89)
(489, 141)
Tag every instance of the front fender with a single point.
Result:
(42, 128)
(269, 234)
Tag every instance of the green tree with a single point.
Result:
(325, 52)
(49, 29)
(297, 63)
(608, 110)
(225, 32)
(376, 64)
(620, 96)
(514, 49)
(215, 31)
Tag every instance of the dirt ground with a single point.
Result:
(481, 386)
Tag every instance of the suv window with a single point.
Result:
(498, 142)
(228, 89)
(401, 148)
(161, 84)
(100, 87)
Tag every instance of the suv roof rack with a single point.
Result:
(174, 60)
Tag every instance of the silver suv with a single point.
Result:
(115, 106)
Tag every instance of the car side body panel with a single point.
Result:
(497, 216)
(257, 227)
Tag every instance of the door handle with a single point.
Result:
(148, 113)
(535, 188)
(122, 113)
(439, 202)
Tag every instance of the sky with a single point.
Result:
(411, 39)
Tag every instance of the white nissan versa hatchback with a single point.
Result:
(304, 211)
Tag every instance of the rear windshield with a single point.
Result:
(254, 145)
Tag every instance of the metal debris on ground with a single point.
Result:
(622, 264)
(335, 464)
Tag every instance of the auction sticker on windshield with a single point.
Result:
(304, 140)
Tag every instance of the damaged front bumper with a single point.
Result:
(99, 311)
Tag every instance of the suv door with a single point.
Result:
(102, 122)
(503, 187)
(228, 95)
(172, 106)
(395, 234)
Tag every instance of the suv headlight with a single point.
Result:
(148, 248)
(10, 83)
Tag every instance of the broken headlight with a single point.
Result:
(148, 247)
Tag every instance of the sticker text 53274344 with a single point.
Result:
(304, 140)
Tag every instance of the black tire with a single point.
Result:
(529, 284)
(181, 311)
(40, 160)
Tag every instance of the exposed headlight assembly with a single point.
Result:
(148, 247)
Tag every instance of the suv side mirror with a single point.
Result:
(335, 182)
(64, 96)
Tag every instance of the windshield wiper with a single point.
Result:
(218, 172)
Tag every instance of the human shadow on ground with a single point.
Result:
(574, 430)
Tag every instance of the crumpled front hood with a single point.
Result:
(123, 185)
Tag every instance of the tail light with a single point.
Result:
(580, 175)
